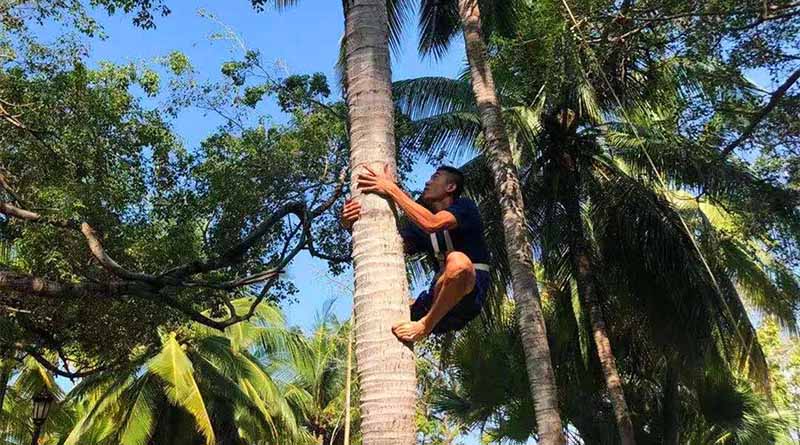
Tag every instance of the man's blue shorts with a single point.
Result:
(467, 309)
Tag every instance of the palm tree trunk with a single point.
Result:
(582, 263)
(5, 376)
(385, 366)
(671, 414)
(518, 246)
(347, 388)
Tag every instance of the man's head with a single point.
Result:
(445, 182)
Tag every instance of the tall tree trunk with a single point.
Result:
(386, 369)
(582, 264)
(518, 246)
(347, 387)
(5, 376)
(671, 407)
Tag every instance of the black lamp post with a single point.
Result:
(41, 408)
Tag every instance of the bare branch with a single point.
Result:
(233, 254)
(27, 215)
(58, 371)
(264, 275)
(334, 196)
(32, 285)
(107, 262)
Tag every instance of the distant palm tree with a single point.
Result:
(715, 409)
(318, 368)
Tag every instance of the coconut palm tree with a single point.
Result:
(201, 386)
(716, 406)
(679, 375)
(386, 366)
(557, 101)
(318, 367)
(440, 20)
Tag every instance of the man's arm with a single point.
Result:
(424, 219)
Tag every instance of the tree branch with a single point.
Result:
(773, 102)
(160, 288)
(32, 285)
(107, 262)
(233, 254)
(58, 371)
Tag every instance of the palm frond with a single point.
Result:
(425, 97)
(279, 5)
(446, 135)
(399, 13)
(99, 404)
(173, 366)
(439, 24)
(138, 422)
(588, 103)
(634, 222)
(768, 286)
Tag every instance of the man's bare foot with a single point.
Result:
(410, 331)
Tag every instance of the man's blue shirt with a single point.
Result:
(467, 237)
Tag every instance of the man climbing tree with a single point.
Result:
(448, 228)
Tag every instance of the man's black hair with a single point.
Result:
(456, 177)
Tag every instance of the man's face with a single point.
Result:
(438, 187)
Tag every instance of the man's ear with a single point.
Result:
(450, 187)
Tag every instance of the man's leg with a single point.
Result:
(456, 281)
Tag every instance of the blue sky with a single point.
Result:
(301, 40)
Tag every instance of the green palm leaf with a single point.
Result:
(429, 96)
(101, 402)
(439, 24)
(139, 420)
(173, 366)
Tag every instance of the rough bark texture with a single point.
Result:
(5, 376)
(582, 263)
(520, 256)
(347, 388)
(671, 407)
(385, 366)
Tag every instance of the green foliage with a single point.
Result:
(215, 380)
(686, 223)
(178, 63)
(155, 203)
(783, 356)
(317, 367)
(118, 166)
(679, 237)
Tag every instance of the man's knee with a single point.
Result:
(459, 266)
